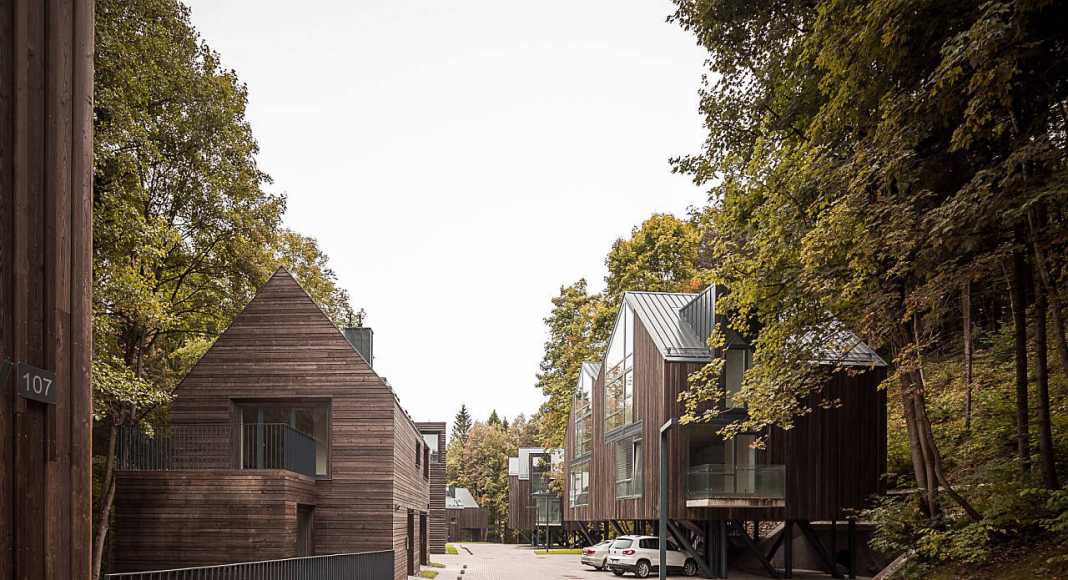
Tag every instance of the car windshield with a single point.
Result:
(621, 544)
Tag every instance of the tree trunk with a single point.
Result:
(1047, 460)
(966, 311)
(1019, 319)
(104, 521)
(1049, 285)
(919, 466)
(924, 425)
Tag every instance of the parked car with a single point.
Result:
(641, 555)
(597, 555)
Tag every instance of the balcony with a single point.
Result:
(718, 485)
(218, 447)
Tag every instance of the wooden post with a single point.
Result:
(788, 550)
(852, 547)
(46, 88)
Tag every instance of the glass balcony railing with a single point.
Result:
(736, 481)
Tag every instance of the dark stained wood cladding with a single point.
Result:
(520, 510)
(469, 523)
(411, 490)
(283, 348)
(438, 522)
(46, 103)
(835, 457)
(196, 518)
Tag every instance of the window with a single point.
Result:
(628, 468)
(579, 488)
(619, 376)
(281, 435)
(622, 544)
(583, 414)
(426, 462)
(540, 466)
(738, 360)
(431, 441)
(418, 454)
(649, 544)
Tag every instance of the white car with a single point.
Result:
(641, 555)
(597, 555)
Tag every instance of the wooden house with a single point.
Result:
(721, 493)
(467, 521)
(438, 531)
(283, 442)
(534, 509)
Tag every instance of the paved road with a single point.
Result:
(519, 562)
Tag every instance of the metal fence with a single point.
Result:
(745, 481)
(215, 446)
(355, 566)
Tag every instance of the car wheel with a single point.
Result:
(642, 569)
(617, 572)
(604, 564)
(690, 569)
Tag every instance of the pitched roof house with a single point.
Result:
(283, 442)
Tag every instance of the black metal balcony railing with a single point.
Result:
(355, 566)
(277, 446)
(212, 446)
(736, 481)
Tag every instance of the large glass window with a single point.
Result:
(628, 468)
(285, 436)
(579, 488)
(619, 376)
(583, 414)
(540, 472)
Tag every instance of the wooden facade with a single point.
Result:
(833, 458)
(282, 349)
(46, 151)
(438, 522)
(467, 525)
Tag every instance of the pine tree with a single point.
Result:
(494, 420)
(461, 425)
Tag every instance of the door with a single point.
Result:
(411, 543)
(424, 554)
(305, 530)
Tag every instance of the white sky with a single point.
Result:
(460, 160)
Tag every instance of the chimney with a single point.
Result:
(362, 339)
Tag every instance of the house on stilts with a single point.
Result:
(789, 504)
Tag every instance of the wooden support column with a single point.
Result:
(46, 92)
(852, 547)
(788, 550)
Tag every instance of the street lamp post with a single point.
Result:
(664, 495)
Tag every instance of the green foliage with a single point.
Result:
(480, 464)
(183, 230)
(451, 550)
(572, 341)
(661, 255)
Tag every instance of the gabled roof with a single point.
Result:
(659, 313)
(668, 318)
(460, 499)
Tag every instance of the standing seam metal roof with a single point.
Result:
(659, 313)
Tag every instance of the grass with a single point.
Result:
(428, 574)
(436, 565)
(1039, 560)
(451, 550)
(554, 551)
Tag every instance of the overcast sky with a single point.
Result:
(460, 160)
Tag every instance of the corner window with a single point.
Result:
(431, 442)
(619, 376)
